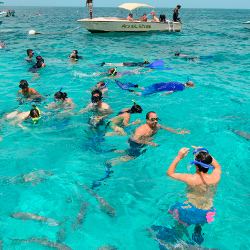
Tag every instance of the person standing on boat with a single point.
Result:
(176, 13)
(89, 3)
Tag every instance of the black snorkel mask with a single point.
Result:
(95, 99)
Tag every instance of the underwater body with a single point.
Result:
(43, 165)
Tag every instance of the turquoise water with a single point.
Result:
(139, 190)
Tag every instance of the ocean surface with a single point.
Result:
(41, 165)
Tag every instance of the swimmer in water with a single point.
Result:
(39, 64)
(201, 189)
(74, 55)
(126, 64)
(26, 91)
(143, 136)
(2, 45)
(102, 86)
(34, 115)
(114, 74)
(100, 109)
(168, 87)
(122, 120)
(30, 54)
(61, 101)
(187, 57)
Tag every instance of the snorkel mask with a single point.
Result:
(35, 120)
(95, 99)
(198, 162)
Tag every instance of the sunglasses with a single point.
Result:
(154, 119)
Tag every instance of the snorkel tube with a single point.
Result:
(114, 72)
(198, 162)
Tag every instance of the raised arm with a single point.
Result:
(171, 170)
(184, 131)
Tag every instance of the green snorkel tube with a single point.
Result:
(114, 71)
(35, 120)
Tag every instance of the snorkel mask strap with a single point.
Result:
(200, 150)
(114, 71)
(202, 164)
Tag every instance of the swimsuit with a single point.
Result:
(188, 214)
(34, 68)
(164, 86)
(134, 149)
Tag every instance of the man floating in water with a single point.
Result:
(143, 136)
(113, 73)
(100, 109)
(168, 87)
(201, 188)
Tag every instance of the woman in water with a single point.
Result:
(33, 115)
(122, 120)
(61, 102)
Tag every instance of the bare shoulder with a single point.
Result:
(105, 106)
(23, 115)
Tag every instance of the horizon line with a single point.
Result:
(116, 7)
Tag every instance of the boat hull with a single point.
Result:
(100, 25)
(246, 25)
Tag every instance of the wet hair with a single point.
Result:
(130, 14)
(34, 113)
(190, 84)
(178, 6)
(75, 51)
(60, 95)
(29, 51)
(135, 109)
(97, 91)
(177, 53)
(102, 83)
(148, 114)
(39, 60)
(23, 84)
(111, 71)
(203, 157)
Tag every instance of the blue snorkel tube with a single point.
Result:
(198, 162)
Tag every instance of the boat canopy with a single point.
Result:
(132, 6)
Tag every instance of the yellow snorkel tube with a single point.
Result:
(35, 120)
(114, 71)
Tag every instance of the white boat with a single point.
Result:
(3, 13)
(114, 24)
(246, 25)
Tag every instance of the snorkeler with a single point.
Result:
(102, 86)
(2, 45)
(122, 120)
(34, 115)
(101, 109)
(168, 87)
(126, 64)
(187, 57)
(74, 55)
(143, 136)
(30, 54)
(201, 188)
(113, 73)
(61, 101)
(39, 64)
(26, 91)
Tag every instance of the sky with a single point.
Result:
(222, 4)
